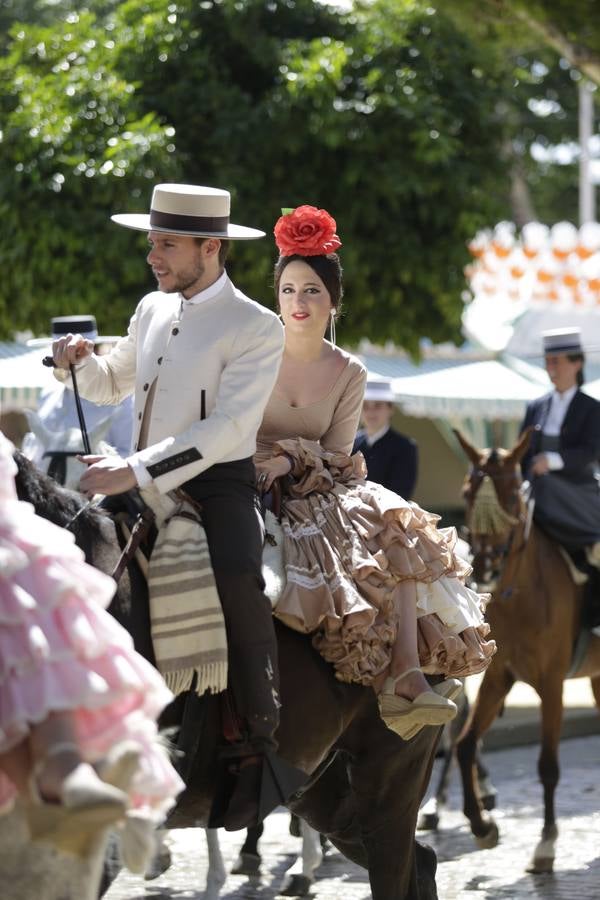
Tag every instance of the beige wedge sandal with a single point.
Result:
(85, 807)
(427, 708)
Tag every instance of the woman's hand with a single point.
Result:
(270, 469)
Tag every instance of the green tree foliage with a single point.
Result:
(570, 27)
(75, 146)
(389, 116)
(539, 50)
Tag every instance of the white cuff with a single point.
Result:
(142, 476)
(555, 461)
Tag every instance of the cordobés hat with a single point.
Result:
(189, 209)
(84, 325)
(379, 390)
(562, 340)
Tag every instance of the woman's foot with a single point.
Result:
(413, 703)
(450, 688)
(62, 777)
(69, 806)
(408, 685)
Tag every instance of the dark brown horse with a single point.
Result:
(370, 783)
(535, 616)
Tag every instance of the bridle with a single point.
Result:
(493, 524)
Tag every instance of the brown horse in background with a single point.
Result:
(535, 615)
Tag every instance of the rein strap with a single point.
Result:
(139, 532)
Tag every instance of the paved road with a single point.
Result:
(464, 873)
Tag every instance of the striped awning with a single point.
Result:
(22, 375)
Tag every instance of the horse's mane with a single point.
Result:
(50, 500)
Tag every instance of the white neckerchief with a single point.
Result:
(207, 294)
(373, 438)
(559, 405)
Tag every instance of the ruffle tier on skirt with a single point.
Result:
(355, 553)
(61, 651)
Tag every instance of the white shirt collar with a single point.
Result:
(559, 404)
(208, 293)
(565, 397)
(373, 438)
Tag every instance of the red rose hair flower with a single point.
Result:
(306, 231)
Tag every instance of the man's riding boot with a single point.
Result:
(259, 779)
(254, 678)
(255, 684)
(243, 810)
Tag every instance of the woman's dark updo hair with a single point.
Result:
(578, 357)
(328, 268)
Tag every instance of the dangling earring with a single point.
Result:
(332, 327)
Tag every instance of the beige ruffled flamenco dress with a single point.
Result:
(354, 550)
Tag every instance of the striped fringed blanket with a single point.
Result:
(188, 628)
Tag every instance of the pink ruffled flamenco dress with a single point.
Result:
(61, 651)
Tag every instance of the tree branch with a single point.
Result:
(583, 58)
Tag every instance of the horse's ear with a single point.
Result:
(472, 453)
(521, 447)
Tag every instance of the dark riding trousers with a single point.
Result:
(234, 530)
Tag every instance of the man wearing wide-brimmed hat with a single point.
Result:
(392, 458)
(563, 460)
(201, 360)
(56, 414)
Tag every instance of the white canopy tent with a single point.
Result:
(488, 389)
(22, 375)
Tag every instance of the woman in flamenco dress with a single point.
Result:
(368, 574)
(79, 746)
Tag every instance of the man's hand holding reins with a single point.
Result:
(270, 469)
(106, 475)
(71, 350)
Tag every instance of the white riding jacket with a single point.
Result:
(215, 365)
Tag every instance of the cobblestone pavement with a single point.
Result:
(464, 873)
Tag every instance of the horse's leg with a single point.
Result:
(429, 816)
(487, 791)
(299, 878)
(595, 684)
(548, 770)
(216, 875)
(249, 859)
(496, 684)
(162, 856)
(403, 869)
(388, 781)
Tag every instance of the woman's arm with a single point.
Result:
(341, 433)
